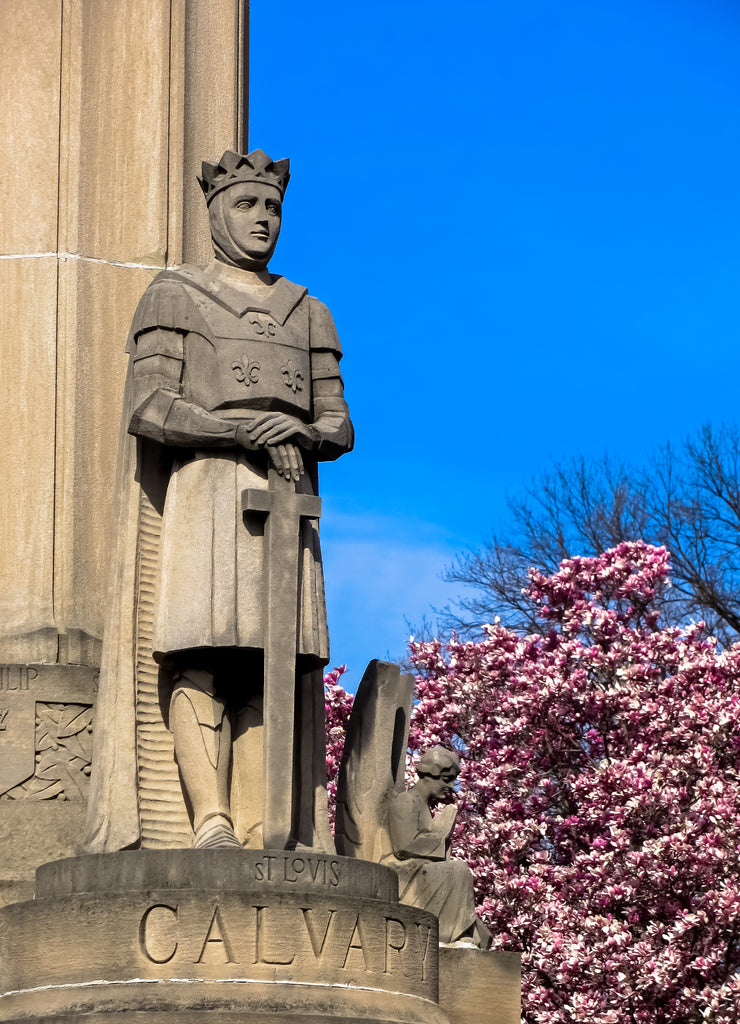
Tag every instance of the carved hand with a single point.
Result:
(274, 428)
(444, 819)
(286, 458)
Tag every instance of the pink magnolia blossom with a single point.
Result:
(338, 707)
(599, 803)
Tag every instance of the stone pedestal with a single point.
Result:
(247, 936)
(480, 986)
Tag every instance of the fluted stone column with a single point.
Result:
(106, 109)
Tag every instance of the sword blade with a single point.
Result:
(285, 509)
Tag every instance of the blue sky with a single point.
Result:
(525, 218)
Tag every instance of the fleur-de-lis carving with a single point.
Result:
(247, 371)
(293, 377)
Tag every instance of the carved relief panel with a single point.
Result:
(46, 718)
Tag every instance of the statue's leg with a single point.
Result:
(201, 728)
(310, 814)
(247, 786)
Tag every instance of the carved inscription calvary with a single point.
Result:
(281, 934)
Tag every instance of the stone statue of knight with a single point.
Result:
(234, 389)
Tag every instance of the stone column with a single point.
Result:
(106, 109)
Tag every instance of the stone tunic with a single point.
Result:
(207, 350)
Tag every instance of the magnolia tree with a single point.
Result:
(599, 795)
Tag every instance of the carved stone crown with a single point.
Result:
(235, 167)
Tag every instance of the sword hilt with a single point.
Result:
(281, 497)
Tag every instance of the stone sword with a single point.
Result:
(284, 510)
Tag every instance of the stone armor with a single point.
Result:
(204, 353)
(250, 361)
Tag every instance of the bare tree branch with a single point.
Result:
(686, 498)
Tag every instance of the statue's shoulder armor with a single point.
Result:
(323, 332)
(167, 303)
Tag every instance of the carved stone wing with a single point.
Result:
(374, 761)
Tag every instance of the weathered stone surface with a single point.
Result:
(93, 298)
(32, 832)
(264, 946)
(113, 197)
(15, 891)
(27, 396)
(31, 36)
(243, 1002)
(480, 986)
(209, 96)
(224, 936)
(267, 870)
(45, 753)
(374, 761)
(29, 126)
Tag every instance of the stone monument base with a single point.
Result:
(480, 986)
(247, 936)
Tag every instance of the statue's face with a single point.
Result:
(252, 213)
(440, 785)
